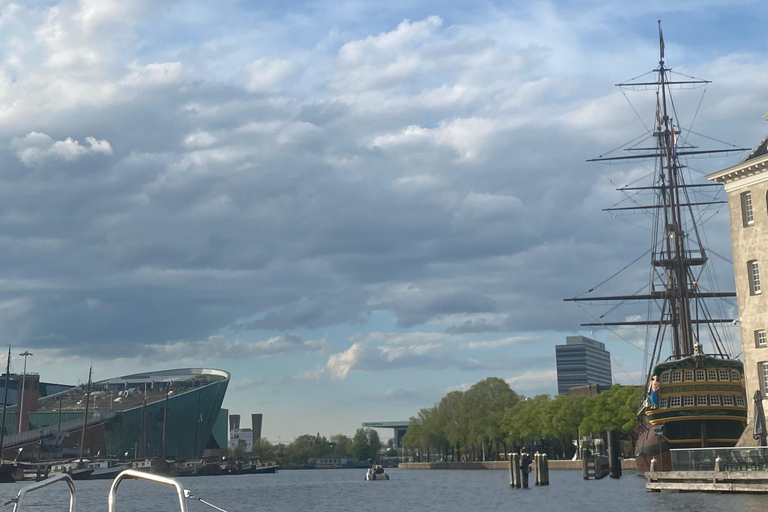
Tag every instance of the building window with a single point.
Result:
(760, 339)
(740, 401)
(689, 401)
(728, 400)
(764, 377)
(753, 270)
(701, 375)
(711, 374)
(665, 378)
(677, 376)
(701, 400)
(688, 375)
(724, 375)
(735, 377)
(674, 401)
(714, 399)
(746, 209)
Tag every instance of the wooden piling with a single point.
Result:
(614, 450)
(542, 469)
(514, 470)
(584, 464)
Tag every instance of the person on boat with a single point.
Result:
(653, 391)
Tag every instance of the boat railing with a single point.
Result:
(45, 483)
(132, 473)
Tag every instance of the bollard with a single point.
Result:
(537, 467)
(542, 473)
(718, 464)
(654, 465)
(525, 468)
(614, 449)
(584, 464)
(514, 470)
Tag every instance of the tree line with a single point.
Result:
(364, 445)
(491, 419)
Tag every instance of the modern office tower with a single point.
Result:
(580, 362)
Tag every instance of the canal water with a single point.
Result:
(345, 490)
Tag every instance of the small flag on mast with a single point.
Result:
(661, 42)
(659, 118)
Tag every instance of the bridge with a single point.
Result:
(398, 426)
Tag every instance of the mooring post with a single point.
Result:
(718, 464)
(584, 464)
(536, 468)
(514, 470)
(654, 465)
(525, 468)
(614, 450)
(542, 473)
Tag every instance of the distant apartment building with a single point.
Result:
(746, 185)
(582, 362)
(242, 436)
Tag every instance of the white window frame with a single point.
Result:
(675, 401)
(747, 211)
(753, 272)
(724, 375)
(689, 401)
(701, 399)
(740, 402)
(701, 374)
(677, 376)
(688, 375)
(728, 401)
(715, 400)
(735, 377)
(665, 378)
(764, 377)
(761, 340)
(711, 374)
(664, 403)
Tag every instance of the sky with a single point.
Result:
(353, 207)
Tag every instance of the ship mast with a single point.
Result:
(677, 248)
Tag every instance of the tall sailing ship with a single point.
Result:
(699, 399)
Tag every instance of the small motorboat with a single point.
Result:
(376, 472)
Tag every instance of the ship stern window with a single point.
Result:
(689, 401)
(701, 400)
(728, 400)
(701, 375)
(740, 402)
(724, 375)
(753, 271)
(714, 400)
(760, 339)
(735, 377)
(664, 403)
(674, 401)
(711, 374)
(688, 375)
(677, 376)
(747, 214)
(665, 378)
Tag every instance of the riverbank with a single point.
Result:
(626, 465)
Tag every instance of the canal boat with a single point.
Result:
(694, 395)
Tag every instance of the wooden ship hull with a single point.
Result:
(702, 404)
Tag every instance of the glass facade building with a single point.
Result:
(127, 415)
(580, 362)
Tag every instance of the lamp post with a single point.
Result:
(23, 382)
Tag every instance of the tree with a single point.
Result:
(341, 445)
(365, 444)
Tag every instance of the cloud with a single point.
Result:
(34, 149)
(267, 74)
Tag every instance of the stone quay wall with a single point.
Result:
(626, 464)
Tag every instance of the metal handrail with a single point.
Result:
(45, 483)
(132, 473)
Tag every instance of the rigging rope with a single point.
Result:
(191, 496)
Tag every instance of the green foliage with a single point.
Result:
(365, 444)
(491, 414)
(264, 450)
(340, 445)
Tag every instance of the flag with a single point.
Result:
(661, 42)
(673, 138)
(659, 118)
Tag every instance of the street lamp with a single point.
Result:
(23, 382)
